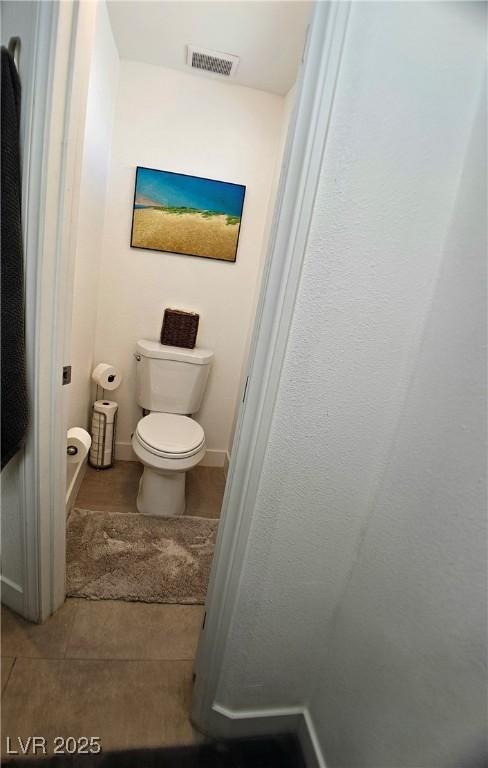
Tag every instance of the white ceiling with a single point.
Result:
(268, 36)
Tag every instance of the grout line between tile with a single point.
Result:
(93, 658)
(124, 659)
(71, 627)
(4, 687)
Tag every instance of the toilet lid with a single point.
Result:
(171, 435)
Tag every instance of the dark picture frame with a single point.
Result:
(186, 215)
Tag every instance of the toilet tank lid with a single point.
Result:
(154, 349)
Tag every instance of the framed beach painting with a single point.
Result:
(185, 214)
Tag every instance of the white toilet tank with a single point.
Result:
(171, 379)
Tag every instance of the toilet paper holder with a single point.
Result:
(99, 448)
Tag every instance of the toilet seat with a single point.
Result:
(170, 436)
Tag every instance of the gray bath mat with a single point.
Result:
(126, 556)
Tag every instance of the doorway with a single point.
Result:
(109, 635)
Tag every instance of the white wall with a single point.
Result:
(175, 121)
(362, 591)
(96, 159)
(403, 679)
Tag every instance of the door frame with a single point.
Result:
(305, 147)
(33, 595)
(55, 151)
(51, 175)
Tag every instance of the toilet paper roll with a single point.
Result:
(106, 376)
(101, 461)
(108, 407)
(98, 421)
(98, 433)
(98, 440)
(79, 442)
(102, 429)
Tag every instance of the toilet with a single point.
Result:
(170, 383)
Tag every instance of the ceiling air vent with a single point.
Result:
(223, 64)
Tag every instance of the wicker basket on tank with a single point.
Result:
(179, 328)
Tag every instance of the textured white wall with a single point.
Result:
(93, 188)
(403, 679)
(175, 121)
(405, 104)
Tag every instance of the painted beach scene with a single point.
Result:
(185, 214)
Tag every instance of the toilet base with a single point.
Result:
(161, 494)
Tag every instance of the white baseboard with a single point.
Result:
(73, 491)
(212, 458)
(124, 452)
(307, 736)
(12, 594)
(227, 723)
(226, 464)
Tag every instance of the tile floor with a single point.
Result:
(121, 671)
(115, 490)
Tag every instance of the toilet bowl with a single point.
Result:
(168, 445)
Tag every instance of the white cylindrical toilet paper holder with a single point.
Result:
(103, 429)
